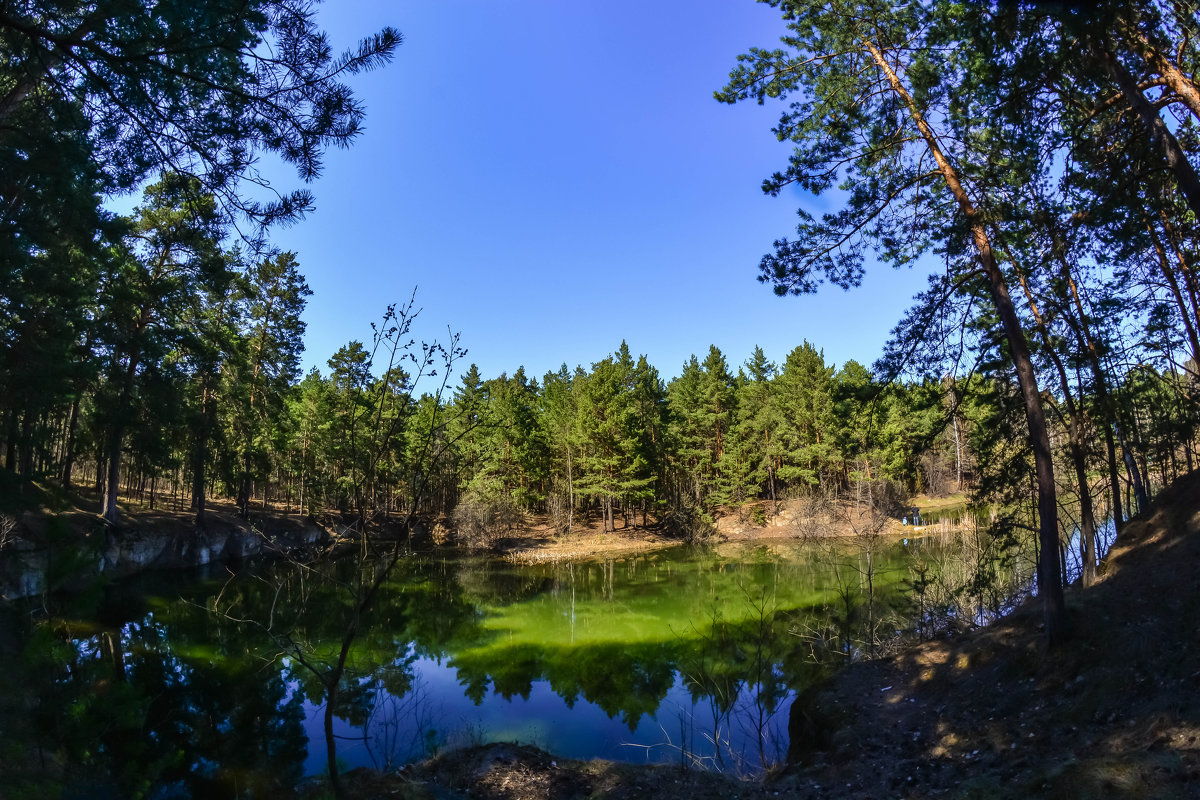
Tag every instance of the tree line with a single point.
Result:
(135, 344)
(182, 381)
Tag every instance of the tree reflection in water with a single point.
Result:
(684, 656)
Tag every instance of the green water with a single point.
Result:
(211, 685)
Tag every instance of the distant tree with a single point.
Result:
(647, 478)
(714, 418)
(804, 387)
(469, 402)
(275, 296)
(857, 414)
(692, 460)
(603, 424)
(213, 320)
(759, 420)
(559, 417)
(349, 400)
(702, 405)
(308, 412)
(510, 445)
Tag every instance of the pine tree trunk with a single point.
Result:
(1178, 81)
(958, 467)
(1099, 380)
(10, 444)
(1050, 585)
(1131, 469)
(1161, 137)
(1183, 267)
(113, 478)
(1075, 444)
(1087, 519)
(69, 446)
(243, 498)
(771, 481)
(570, 494)
(1173, 284)
(101, 470)
(25, 449)
(198, 489)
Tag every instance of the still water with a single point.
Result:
(208, 684)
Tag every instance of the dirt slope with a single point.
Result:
(1114, 713)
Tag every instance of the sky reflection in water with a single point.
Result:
(667, 656)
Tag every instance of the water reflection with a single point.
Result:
(215, 688)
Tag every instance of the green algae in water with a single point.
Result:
(668, 656)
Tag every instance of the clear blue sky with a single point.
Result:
(555, 176)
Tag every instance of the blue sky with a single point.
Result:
(555, 176)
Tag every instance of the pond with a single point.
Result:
(212, 684)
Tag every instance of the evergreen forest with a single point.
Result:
(1037, 161)
(1041, 156)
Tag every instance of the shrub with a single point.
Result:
(481, 521)
(690, 523)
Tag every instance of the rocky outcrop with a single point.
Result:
(29, 567)
(134, 551)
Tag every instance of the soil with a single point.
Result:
(78, 515)
(537, 541)
(1114, 712)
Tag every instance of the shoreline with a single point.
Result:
(166, 539)
(986, 713)
(537, 544)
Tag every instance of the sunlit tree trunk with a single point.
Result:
(1050, 586)
(1161, 136)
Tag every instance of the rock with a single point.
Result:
(125, 551)
(23, 574)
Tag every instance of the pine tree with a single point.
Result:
(805, 390)
(349, 381)
(692, 461)
(647, 472)
(558, 416)
(875, 109)
(470, 405)
(174, 252)
(199, 89)
(757, 428)
(275, 294)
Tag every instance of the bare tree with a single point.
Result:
(374, 556)
(7, 526)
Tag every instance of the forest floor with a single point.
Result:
(1114, 712)
(38, 506)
